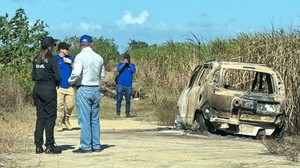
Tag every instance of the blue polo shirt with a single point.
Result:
(65, 71)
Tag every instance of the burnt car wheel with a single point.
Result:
(278, 134)
(202, 124)
(261, 135)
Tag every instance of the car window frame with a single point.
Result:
(194, 76)
(202, 74)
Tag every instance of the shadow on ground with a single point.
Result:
(74, 128)
(105, 146)
(65, 147)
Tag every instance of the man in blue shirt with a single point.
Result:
(65, 93)
(126, 70)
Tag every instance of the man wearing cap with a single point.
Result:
(86, 75)
(65, 93)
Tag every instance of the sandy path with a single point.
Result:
(131, 143)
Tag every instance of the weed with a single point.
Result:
(288, 148)
(12, 97)
(14, 130)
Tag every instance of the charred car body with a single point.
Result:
(239, 98)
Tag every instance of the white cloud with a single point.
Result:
(89, 26)
(128, 19)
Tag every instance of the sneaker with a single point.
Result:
(39, 150)
(59, 128)
(97, 150)
(128, 115)
(51, 149)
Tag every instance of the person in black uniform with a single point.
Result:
(45, 72)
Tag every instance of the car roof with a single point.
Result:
(242, 65)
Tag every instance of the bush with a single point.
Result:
(12, 97)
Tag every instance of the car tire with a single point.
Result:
(278, 133)
(261, 134)
(202, 126)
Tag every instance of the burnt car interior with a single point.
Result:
(249, 80)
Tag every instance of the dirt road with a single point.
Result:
(131, 143)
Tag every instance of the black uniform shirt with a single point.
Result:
(48, 72)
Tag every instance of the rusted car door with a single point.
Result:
(195, 93)
(183, 102)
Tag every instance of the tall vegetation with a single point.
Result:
(19, 40)
(19, 43)
(105, 47)
(167, 67)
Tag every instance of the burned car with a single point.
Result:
(238, 98)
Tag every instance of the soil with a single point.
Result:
(131, 143)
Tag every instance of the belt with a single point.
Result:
(87, 86)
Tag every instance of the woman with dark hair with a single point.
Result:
(45, 72)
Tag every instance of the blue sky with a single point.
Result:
(157, 21)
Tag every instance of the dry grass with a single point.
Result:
(12, 97)
(14, 130)
(16, 117)
(141, 109)
(107, 108)
(288, 148)
(165, 111)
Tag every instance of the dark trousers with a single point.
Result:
(45, 100)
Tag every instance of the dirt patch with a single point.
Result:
(131, 143)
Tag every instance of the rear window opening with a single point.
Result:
(248, 80)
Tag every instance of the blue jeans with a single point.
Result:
(121, 90)
(87, 105)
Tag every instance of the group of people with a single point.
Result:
(58, 78)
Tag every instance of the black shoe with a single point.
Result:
(97, 150)
(128, 115)
(39, 150)
(81, 151)
(51, 149)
